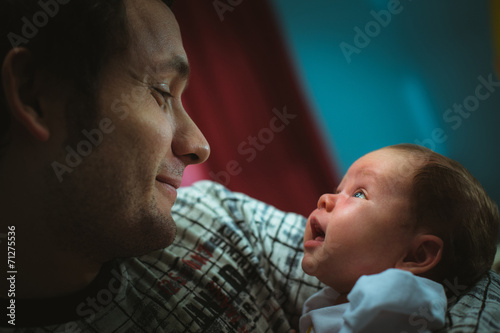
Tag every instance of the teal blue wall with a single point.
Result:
(400, 85)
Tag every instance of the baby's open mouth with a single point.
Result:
(317, 232)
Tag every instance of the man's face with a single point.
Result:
(118, 201)
(364, 227)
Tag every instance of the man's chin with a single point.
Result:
(155, 232)
(144, 249)
(162, 238)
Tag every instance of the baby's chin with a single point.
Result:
(309, 265)
(312, 268)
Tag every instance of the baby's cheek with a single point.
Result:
(307, 232)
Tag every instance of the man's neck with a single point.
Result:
(41, 270)
(43, 266)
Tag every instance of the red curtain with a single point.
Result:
(246, 99)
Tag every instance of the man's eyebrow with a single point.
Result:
(177, 64)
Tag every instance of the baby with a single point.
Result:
(404, 221)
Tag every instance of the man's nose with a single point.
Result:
(188, 143)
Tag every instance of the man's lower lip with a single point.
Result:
(168, 189)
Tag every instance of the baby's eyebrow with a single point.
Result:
(369, 173)
(380, 179)
(375, 176)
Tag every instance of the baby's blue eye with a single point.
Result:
(360, 194)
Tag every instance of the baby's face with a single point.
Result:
(361, 229)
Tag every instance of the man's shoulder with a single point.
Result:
(205, 187)
(478, 308)
(208, 196)
(207, 190)
(207, 199)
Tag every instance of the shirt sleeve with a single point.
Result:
(275, 237)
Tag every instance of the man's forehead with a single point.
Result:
(155, 35)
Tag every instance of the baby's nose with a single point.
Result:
(327, 202)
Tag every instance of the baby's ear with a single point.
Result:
(424, 253)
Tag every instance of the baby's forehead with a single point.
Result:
(383, 180)
(388, 168)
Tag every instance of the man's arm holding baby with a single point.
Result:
(257, 247)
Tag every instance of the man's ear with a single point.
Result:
(18, 77)
(424, 253)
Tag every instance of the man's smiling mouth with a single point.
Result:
(168, 186)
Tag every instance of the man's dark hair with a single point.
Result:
(72, 39)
